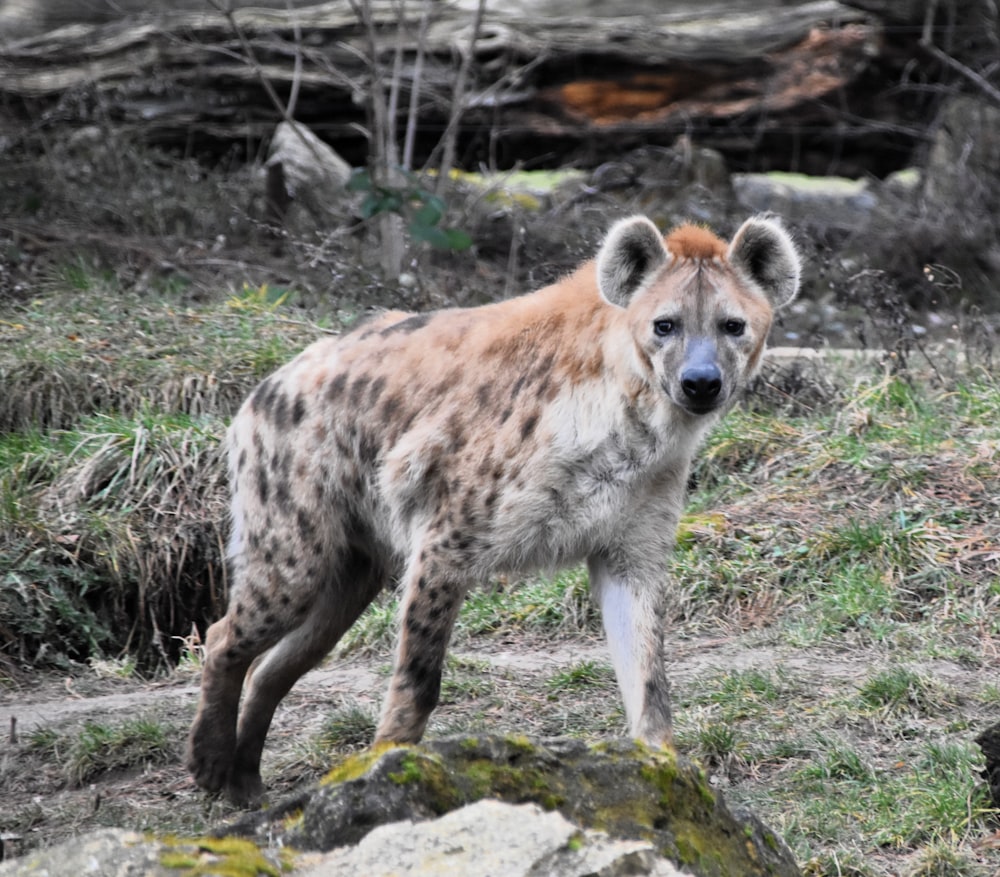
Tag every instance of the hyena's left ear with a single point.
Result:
(763, 250)
(632, 251)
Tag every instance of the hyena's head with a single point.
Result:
(699, 309)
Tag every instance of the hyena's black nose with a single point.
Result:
(701, 383)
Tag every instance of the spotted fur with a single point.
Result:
(445, 448)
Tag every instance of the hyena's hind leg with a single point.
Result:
(355, 580)
(231, 645)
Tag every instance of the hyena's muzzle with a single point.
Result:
(701, 377)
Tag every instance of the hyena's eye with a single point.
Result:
(664, 327)
(734, 327)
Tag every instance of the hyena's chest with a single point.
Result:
(513, 503)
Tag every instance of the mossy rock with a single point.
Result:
(622, 788)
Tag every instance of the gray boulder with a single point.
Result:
(490, 837)
(620, 788)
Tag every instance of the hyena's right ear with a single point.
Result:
(631, 252)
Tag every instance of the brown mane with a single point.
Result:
(695, 242)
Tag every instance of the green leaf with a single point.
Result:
(360, 181)
(458, 239)
(431, 234)
(430, 212)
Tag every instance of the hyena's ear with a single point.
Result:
(763, 250)
(632, 250)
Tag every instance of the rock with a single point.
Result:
(804, 201)
(303, 169)
(131, 854)
(572, 809)
(111, 851)
(623, 789)
(989, 742)
(490, 837)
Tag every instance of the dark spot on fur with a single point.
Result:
(425, 679)
(367, 449)
(284, 599)
(410, 324)
(282, 494)
(518, 386)
(269, 556)
(241, 463)
(291, 561)
(279, 413)
(262, 397)
(421, 583)
(270, 619)
(357, 390)
(298, 410)
(484, 395)
(307, 529)
(528, 425)
(237, 631)
(544, 368)
(378, 385)
(457, 438)
(505, 415)
(390, 408)
(336, 387)
(449, 381)
(262, 484)
(239, 609)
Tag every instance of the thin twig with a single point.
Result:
(458, 98)
(959, 67)
(413, 112)
(250, 58)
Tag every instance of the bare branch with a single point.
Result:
(989, 90)
(451, 131)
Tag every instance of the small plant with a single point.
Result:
(420, 209)
(259, 299)
(899, 688)
(350, 727)
(100, 748)
(586, 674)
(113, 668)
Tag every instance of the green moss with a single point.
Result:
(223, 857)
(512, 783)
(358, 764)
(411, 772)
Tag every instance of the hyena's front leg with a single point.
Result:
(632, 612)
(430, 605)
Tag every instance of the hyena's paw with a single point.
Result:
(209, 758)
(245, 788)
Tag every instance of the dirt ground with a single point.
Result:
(503, 686)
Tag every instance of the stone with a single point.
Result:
(624, 789)
(496, 839)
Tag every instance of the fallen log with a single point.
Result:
(767, 86)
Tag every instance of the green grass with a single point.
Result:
(865, 526)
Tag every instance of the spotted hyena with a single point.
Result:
(444, 448)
